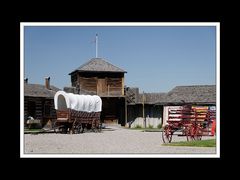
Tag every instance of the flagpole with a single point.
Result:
(96, 45)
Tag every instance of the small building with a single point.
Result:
(99, 77)
(152, 112)
(156, 105)
(38, 101)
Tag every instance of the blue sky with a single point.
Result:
(156, 58)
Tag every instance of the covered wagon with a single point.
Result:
(76, 112)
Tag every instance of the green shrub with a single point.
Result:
(150, 126)
(159, 126)
(138, 126)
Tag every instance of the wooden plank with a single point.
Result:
(102, 87)
(88, 84)
(122, 86)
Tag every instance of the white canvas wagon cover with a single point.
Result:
(86, 103)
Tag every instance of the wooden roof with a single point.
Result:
(98, 65)
(198, 94)
(38, 90)
(152, 98)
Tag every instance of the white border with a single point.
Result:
(23, 24)
(21, 89)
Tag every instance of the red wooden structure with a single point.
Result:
(190, 121)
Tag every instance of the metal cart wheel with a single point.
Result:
(167, 134)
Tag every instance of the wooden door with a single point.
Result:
(102, 87)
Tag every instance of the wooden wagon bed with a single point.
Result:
(70, 120)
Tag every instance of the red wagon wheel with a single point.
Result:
(167, 134)
(189, 133)
(198, 133)
(194, 133)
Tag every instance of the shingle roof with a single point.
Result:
(191, 94)
(198, 94)
(152, 98)
(38, 90)
(98, 65)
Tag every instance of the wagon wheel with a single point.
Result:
(78, 128)
(198, 133)
(96, 126)
(99, 127)
(81, 127)
(63, 129)
(185, 131)
(167, 134)
(194, 133)
(54, 126)
(93, 126)
(189, 133)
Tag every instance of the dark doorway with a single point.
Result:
(32, 109)
(113, 110)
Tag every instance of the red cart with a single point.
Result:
(190, 121)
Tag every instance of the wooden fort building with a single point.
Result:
(99, 77)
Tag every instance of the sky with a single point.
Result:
(156, 58)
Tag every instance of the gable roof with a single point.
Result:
(198, 94)
(38, 90)
(98, 65)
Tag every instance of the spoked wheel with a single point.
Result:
(198, 133)
(54, 126)
(63, 129)
(194, 133)
(167, 134)
(82, 128)
(100, 127)
(190, 133)
(96, 126)
(78, 129)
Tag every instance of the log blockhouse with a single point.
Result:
(99, 77)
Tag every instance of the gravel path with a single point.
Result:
(112, 141)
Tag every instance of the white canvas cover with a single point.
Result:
(86, 103)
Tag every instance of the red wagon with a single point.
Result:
(190, 121)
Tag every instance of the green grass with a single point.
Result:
(202, 143)
(33, 130)
(138, 127)
(150, 126)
